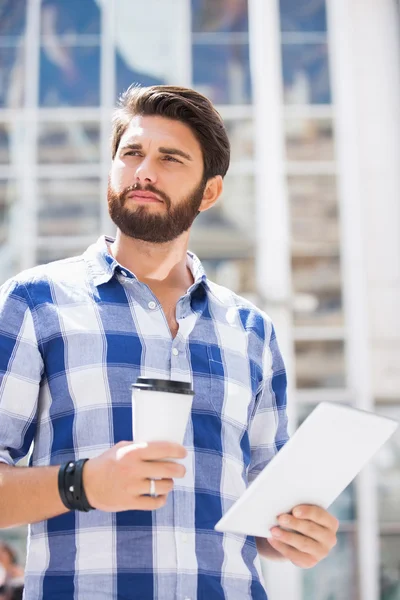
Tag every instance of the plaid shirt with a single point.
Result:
(74, 335)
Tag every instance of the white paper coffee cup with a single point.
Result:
(160, 410)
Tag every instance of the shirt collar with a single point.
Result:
(102, 265)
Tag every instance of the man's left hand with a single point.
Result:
(312, 535)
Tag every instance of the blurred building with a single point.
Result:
(309, 223)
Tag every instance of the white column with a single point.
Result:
(27, 181)
(362, 61)
(273, 270)
(378, 66)
(107, 102)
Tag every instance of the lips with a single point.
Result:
(143, 197)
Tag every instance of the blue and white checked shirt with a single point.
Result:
(74, 335)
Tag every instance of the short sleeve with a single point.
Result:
(269, 427)
(21, 368)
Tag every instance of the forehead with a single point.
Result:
(161, 132)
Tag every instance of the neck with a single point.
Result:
(161, 265)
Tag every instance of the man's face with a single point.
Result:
(156, 181)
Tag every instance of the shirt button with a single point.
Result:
(152, 305)
(175, 352)
(184, 538)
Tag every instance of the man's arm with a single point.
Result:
(28, 494)
(118, 479)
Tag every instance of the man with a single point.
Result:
(74, 336)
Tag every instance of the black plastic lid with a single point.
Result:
(163, 385)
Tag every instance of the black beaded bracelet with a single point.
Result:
(70, 486)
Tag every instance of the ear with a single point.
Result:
(212, 192)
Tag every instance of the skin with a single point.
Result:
(312, 536)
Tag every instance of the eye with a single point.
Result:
(169, 158)
(132, 153)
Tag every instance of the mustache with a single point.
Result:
(136, 187)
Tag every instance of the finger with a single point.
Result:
(162, 487)
(161, 450)
(304, 561)
(147, 503)
(160, 470)
(317, 515)
(299, 542)
(324, 536)
(151, 450)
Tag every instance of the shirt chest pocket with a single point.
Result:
(230, 389)
(223, 400)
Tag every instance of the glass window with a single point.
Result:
(390, 567)
(70, 53)
(388, 471)
(227, 229)
(303, 15)
(216, 237)
(12, 61)
(237, 203)
(147, 52)
(68, 142)
(241, 136)
(4, 145)
(306, 74)
(69, 207)
(222, 72)
(71, 77)
(344, 507)
(237, 275)
(317, 290)
(314, 214)
(13, 142)
(12, 17)
(335, 578)
(320, 364)
(46, 254)
(75, 17)
(12, 29)
(7, 201)
(309, 139)
(219, 15)
(10, 218)
(127, 75)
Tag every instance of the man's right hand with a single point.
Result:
(119, 478)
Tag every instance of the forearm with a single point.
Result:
(265, 550)
(28, 495)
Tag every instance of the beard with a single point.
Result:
(139, 223)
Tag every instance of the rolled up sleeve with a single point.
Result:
(21, 369)
(269, 427)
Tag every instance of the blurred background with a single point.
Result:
(309, 223)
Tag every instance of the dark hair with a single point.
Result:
(178, 104)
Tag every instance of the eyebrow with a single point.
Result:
(162, 150)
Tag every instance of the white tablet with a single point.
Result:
(319, 461)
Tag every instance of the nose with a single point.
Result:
(146, 172)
